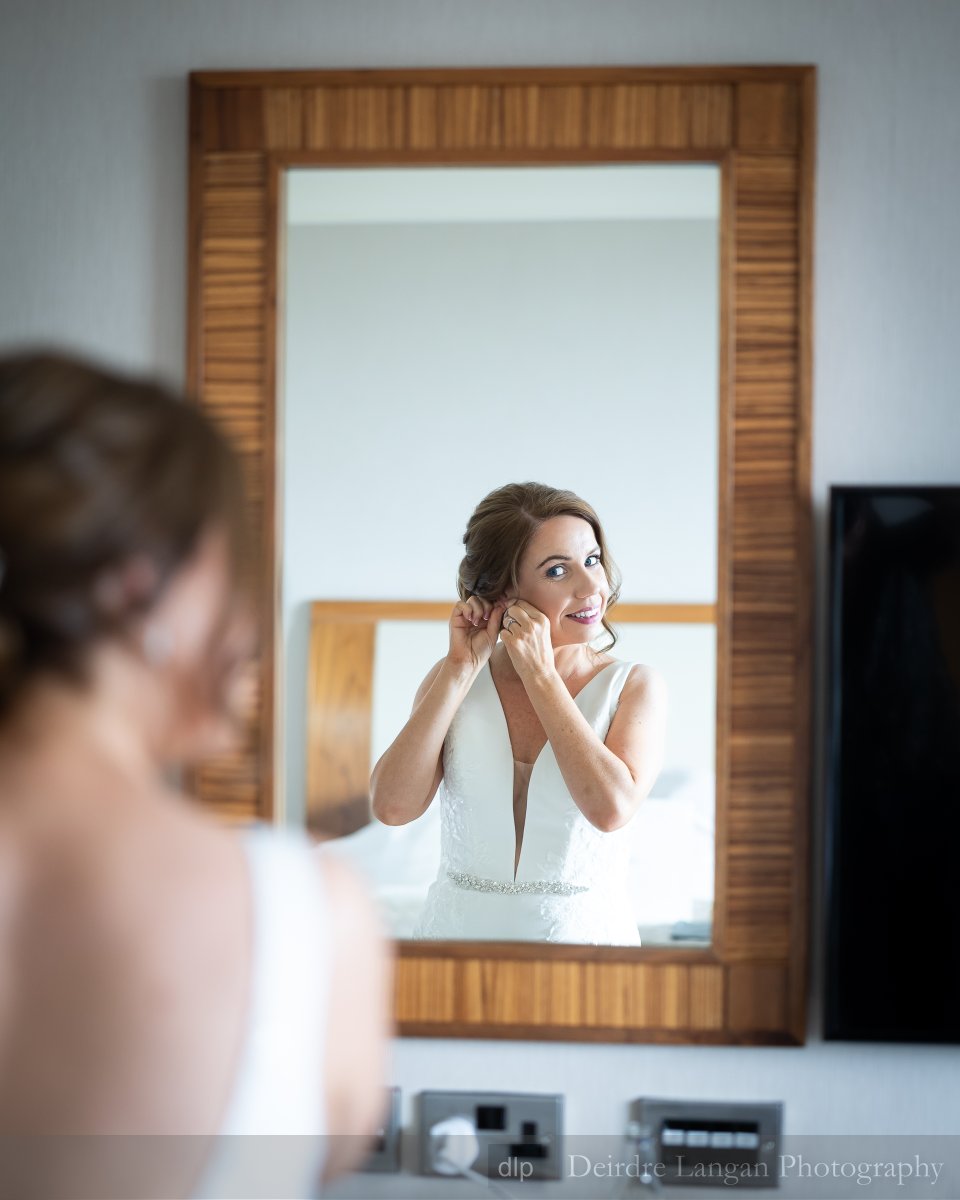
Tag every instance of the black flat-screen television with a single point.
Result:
(893, 765)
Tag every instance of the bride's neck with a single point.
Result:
(569, 661)
(107, 721)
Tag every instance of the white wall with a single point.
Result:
(92, 199)
(426, 364)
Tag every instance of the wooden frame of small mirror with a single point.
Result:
(757, 123)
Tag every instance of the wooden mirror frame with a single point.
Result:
(757, 123)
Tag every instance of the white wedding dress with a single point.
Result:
(571, 879)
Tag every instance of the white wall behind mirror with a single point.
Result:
(448, 330)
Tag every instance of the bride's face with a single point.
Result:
(562, 575)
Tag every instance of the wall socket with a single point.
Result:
(385, 1156)
(705, 1142)
(520, 1134)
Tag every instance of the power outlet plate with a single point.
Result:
(385, 1157)
(520, 1134)
(706, 1142)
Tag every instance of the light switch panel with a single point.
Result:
(707, 1143)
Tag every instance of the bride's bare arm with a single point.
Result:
(607, 780)
(359, 1020)
(407, 776)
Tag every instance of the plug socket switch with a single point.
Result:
(520, 1134)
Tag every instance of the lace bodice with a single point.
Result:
(570, 879)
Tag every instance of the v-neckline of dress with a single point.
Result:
(574, 698)
(518, 853)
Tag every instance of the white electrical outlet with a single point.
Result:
(519, 1135)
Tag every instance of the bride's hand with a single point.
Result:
(474, 629)
(526, 638)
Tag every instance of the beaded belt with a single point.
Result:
(552, 887)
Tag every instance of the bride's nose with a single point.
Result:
(586, 586)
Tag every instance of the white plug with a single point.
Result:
(454, 1146)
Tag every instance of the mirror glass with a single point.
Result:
(448, 330)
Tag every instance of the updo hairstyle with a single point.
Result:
(106, 485)
(500, 530)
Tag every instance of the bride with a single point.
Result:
(541, 746)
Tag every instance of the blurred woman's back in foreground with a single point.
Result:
(159, 974)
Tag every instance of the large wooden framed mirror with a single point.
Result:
(248, 131)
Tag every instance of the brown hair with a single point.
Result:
(500, 530)
(97, 470)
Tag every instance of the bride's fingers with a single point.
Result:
(528, 610)
(463, 614)
(474, 610)
(515, 614)
(491, 621)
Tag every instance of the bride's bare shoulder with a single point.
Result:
(645, 684)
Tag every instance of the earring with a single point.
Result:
(157, 644)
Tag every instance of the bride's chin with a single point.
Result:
(578, 635)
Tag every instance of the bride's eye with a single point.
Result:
(593, 560)
(558, 568)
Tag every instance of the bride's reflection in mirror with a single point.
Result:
(529, 703)
(445, 330)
